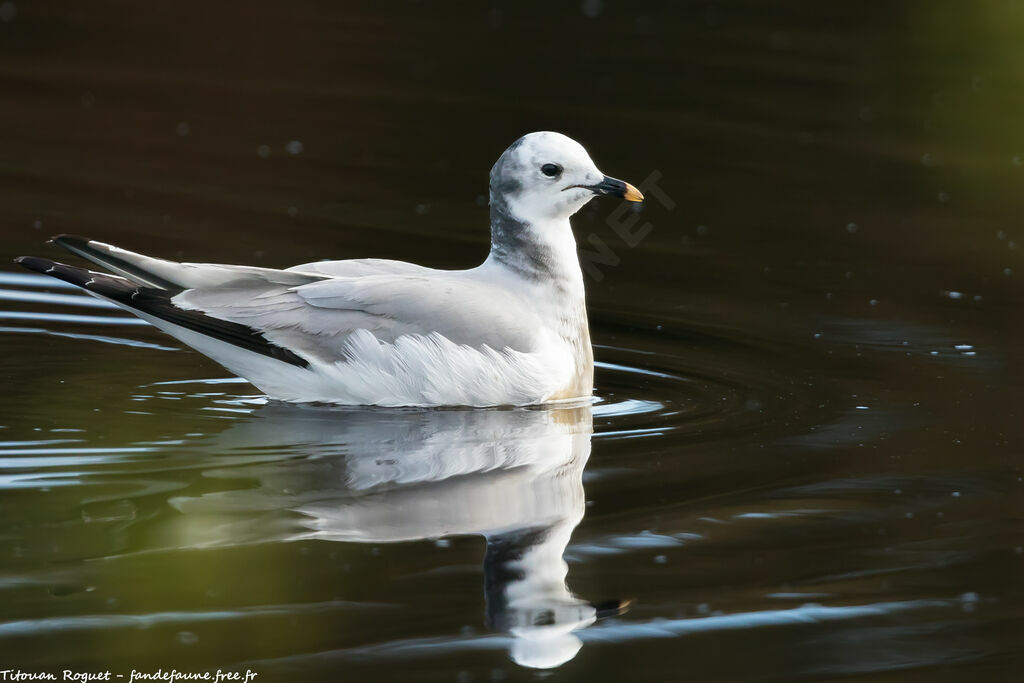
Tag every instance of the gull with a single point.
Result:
(511, 331)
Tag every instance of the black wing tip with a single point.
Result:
(35, 263)
(98, 253)
(69, 241)
(157, 302)
(100, 283)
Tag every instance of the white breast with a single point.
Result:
(431, 370)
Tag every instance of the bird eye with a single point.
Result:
(551, 170)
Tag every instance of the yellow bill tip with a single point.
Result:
(633, 194)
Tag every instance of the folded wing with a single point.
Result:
(312, 309)
(316, 319)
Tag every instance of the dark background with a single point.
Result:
(845, 189)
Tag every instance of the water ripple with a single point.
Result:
(89, 337)
(58, 299)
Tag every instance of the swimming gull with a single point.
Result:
(511, 331)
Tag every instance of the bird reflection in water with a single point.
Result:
(513, 476)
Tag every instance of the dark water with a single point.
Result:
(805, 458)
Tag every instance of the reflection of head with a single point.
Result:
(524, 583)
(545, 653)
(513, 476)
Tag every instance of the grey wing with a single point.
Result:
(316, 319)
(361, 268)
(312, 309)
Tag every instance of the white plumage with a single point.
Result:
(369, 331)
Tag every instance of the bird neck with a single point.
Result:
(535, 251)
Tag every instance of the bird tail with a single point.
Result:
(155, 305)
